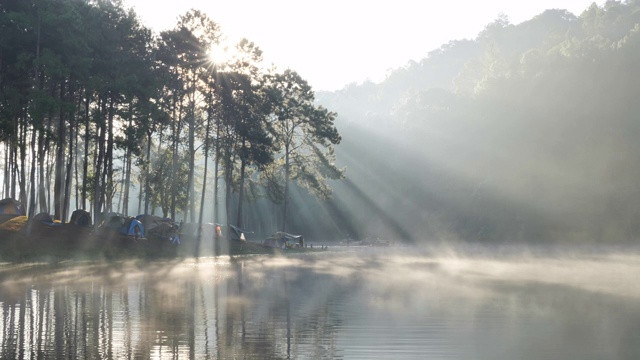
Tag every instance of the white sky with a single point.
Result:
(332, 43)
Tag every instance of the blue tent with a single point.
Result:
(132, 227)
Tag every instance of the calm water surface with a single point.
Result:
(347, 304)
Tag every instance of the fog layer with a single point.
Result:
(526, 133)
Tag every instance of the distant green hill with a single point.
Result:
(528, 132)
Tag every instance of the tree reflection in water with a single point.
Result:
(206, 308)
(360, 304)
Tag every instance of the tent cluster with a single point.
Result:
(138, 227)
(44, 221)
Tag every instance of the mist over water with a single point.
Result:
(501, 171)
(348, 303)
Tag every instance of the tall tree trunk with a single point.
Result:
(127, 176)
(97, 184)
(42, 158)
(22, 181)
(7, 169)
(286, 188)
(147, 174)
(191, 199)
(173, 177)
(153, 162)
(14, 165)
(243, 164)
(227, 187)
(108, 161)
(120, 209)
(191, 119)
(32, 180)
(75, 162)
(204, 177)
(216, 181)
(190, 180)
(69, 173)
(58, 189)
(127, 183)
(127, 180)
(34, 152)
(85, 161)
(174, 161)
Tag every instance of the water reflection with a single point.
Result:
(340, 305)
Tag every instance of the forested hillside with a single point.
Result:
(526, 133)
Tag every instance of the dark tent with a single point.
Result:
(80, 218)
(151, 221)
(43, 218)
(114, 222)
(11, 207)
(158, 227)
(109, 218)
(40, 222)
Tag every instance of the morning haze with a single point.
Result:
(168, 193)
(525, 133)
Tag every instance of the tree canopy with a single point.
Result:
(96, 109)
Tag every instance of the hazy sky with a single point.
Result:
(332, 43)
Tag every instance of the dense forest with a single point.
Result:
(529, 132)
(97, 112)
(525, 133)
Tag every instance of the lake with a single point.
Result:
(346, 303)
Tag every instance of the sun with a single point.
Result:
(221, 55)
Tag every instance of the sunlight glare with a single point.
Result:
(221, 55)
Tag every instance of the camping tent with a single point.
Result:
(282, 240)
(162, 228)
(80, 218)
(43, 217)
(151, 221)
(107, 218)
(132, 227)
(113, 224)
(238, 234)
(40, 222)
(11, 206)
